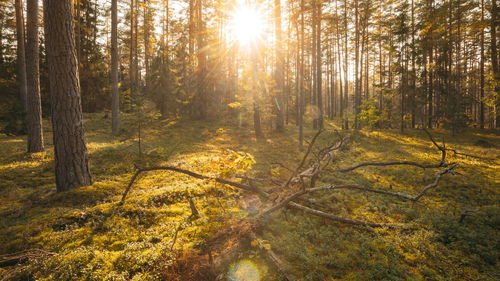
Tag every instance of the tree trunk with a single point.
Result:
(72, 167)
(494, 59)
(115, 95)
(346, 60)
(319, 65)
(21, 59)
(279, 71)
(300, 102)
(33, 103)
(481, 83)
(146, 27)
(357, 93)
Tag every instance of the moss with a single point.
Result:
(94, 239)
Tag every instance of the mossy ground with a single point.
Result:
(94, 239)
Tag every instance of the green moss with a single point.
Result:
(94, 239)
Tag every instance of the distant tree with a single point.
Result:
(115, 95)
(279, 69)
(33, 99)
(72, 167)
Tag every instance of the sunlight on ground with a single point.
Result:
(95, 239)
(245, 270)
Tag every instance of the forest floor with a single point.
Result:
(85, 235)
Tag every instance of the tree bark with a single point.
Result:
(494, 59)
(33, 103)
(481, 83)
(115, 95)
(319, 65)
(21, 52)
(279, 72)
(72, 166)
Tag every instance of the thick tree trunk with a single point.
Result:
(115, 95)
(72, 167)
(78, 31)
(21, 59)
(33, 103)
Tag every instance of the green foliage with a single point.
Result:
(371, 116)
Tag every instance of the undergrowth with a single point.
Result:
(92, 238)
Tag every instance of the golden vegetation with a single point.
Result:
(94, 239)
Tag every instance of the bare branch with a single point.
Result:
(23, 256)
(303, 161)
(332, 217)
(140, 170)
(351, 186)
(436, 181)
(441, 163)
(390, 163)
(455, 152)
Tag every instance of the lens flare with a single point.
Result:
(247, 24)
(244, 270)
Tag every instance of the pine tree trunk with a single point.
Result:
(319, 65)
(279, 74)
(21, 52)
(346, 60)
(300, 101)
(481, 83)
(115, 95)
(72, 167)
(494, 59)
(357, 96)
(33, 103)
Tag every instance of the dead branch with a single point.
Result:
(288, 200)
(455, 152)
(250, 179)
(303, 161)
(442, 162)
(140, 170)
(255, 190)
(466, 213)
(357, 187)
(449, 169)
(23, 256)
(283, 268)
(318, 213)
(390, 163)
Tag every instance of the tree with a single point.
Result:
(33, 102)
(115, 95)
(279, 71)
(21, 61)
(494, 59)
(72, 166)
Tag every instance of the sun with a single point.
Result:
(247, 24)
